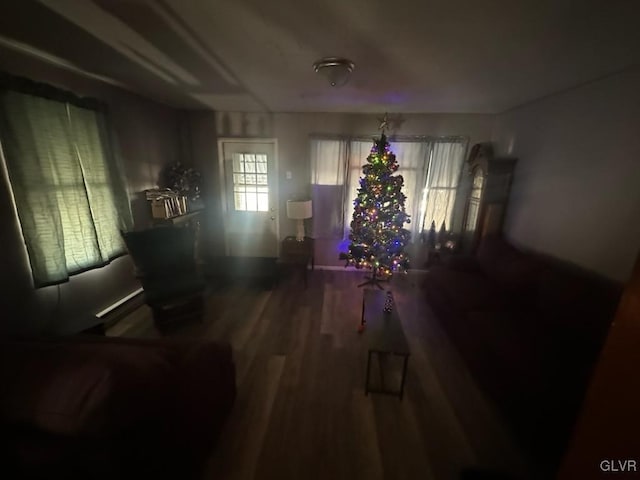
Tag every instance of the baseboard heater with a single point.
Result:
(108, 312)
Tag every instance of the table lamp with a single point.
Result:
(299, 210)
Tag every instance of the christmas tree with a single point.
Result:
(377, 234)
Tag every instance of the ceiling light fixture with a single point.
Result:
(336, 69)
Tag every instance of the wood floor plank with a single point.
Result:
(301, 411)
(240, 336)
(366, 455)
(289, 403)
(403, 448)
(446, 444)
(246, 428)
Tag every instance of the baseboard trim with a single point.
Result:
(335, 268)
(363, 270)
(115, 312)
(122, 301)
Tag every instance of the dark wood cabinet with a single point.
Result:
(298, 254)
(487, 198)
(190, 220)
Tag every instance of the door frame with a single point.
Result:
(223, 183)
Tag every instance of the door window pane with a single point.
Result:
(239, 201)
(247, 195)
(263, 202)
(252, 201)
(238, 166)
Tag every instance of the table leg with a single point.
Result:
(382, 360)
(304, 272)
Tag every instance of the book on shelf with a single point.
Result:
(166, 203)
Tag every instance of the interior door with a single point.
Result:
(250, 197)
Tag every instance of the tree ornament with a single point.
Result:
(379, 216)
(388, 302)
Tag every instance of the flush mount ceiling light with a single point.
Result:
(336, 69)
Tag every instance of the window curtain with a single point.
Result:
(328, 174)
(359, 150)
(69, 197)
(442, 183)
(430, 168)
(413, 158)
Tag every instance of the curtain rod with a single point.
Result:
(44, 90)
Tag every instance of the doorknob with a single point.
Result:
(272, 217)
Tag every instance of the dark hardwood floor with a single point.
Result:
(301, 412)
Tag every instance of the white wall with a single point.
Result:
(576, 191)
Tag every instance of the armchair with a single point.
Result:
(165, 263)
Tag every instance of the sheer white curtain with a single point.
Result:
(442, 183)
(413, 158)
(430, 168)
(328, 178)
(359, 150)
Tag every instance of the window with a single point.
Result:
(329, 162)
(250, 182)
(443, 178)
(414, 159)
(430, 168)
(64, 182)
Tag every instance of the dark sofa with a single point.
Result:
(98, 408)
(529, 329)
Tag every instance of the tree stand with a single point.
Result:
(373, 280)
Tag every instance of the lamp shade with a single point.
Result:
(299, 210)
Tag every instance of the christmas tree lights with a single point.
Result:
(377, 234)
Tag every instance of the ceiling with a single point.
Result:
(412, 56)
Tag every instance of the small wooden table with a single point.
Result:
(384, 336)
(297, 253)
